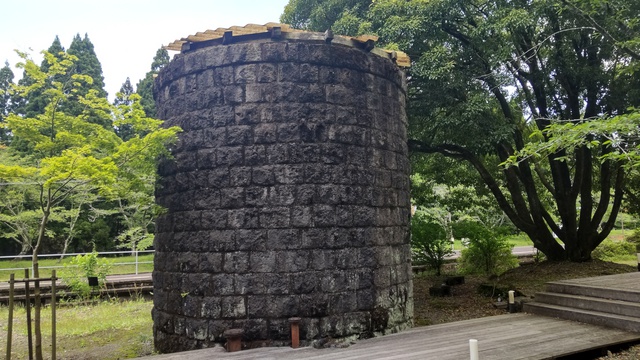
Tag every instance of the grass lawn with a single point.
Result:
(107, 330)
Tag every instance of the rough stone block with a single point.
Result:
(262, 261)
(236, 262)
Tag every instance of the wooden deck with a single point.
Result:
(512, 336)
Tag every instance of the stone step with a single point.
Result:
(593, 291)
(627, 323)
(618, 307)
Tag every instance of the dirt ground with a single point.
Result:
(467, 303)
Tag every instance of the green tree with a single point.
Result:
(429, 240)
(486, 75)
(35, 103)
(87, 63)
(320, 15)
(6, 80)
(123, 99)
(70, 152)
(488, 251)
(144, 88)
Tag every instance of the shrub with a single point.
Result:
(634, 237)
(81, 267)
(488, 252)
(429, 242)
(610, 250)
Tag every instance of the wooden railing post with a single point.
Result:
(234, 339)
(10, 323)
(27, 305)
(53, 314)
(295, 331)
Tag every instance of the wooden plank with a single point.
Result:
(514, 336)
(365, 42)
(365, 38)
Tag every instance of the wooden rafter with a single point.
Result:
(365, 42)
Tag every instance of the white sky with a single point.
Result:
(124, 33)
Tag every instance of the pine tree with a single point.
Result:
(6, 79)
(123, 100)
(144, 88)
(87, 63)
(35, 103)
(122, 97)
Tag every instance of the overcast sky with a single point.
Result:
(125, 33)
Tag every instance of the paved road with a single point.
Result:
(518, 251)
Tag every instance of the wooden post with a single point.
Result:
(234, 339)
(512, 301)
(27, 304)
(10, 323)
(473, 349)
(36, 320)
(53, 314)
(295, 331)
(638, 254)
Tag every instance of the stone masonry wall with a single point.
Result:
(288, 195)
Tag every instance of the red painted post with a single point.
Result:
(234, 339)
(295, 331)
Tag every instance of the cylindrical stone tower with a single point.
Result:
(288, 195)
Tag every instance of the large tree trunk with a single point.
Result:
(578, 230)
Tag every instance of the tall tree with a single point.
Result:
(69, 153)
(36, 101)
(122, 97)
(6, 80)
(144, 88)
(487, 74)
(87, 63)
(320, 15)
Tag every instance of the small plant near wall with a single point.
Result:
(84, 272)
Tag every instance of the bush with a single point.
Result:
(610, 250)
(429, 242)
(488, 252)
(634, 238)
(81, 267)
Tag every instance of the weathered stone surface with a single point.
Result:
(288, 195)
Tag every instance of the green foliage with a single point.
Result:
(6, 80)
(320, 15)
(106, 330)
(610, 250)
(76, 272)
(87, 64)
(488, 252)
(144, 88)
(72, 156)
(429, 241)
(487, 74)
(634, 238)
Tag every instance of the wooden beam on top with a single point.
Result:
(366, 38)
(285, 31)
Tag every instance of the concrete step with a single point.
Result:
(594, 291)
(618, 307)
(627, 323)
